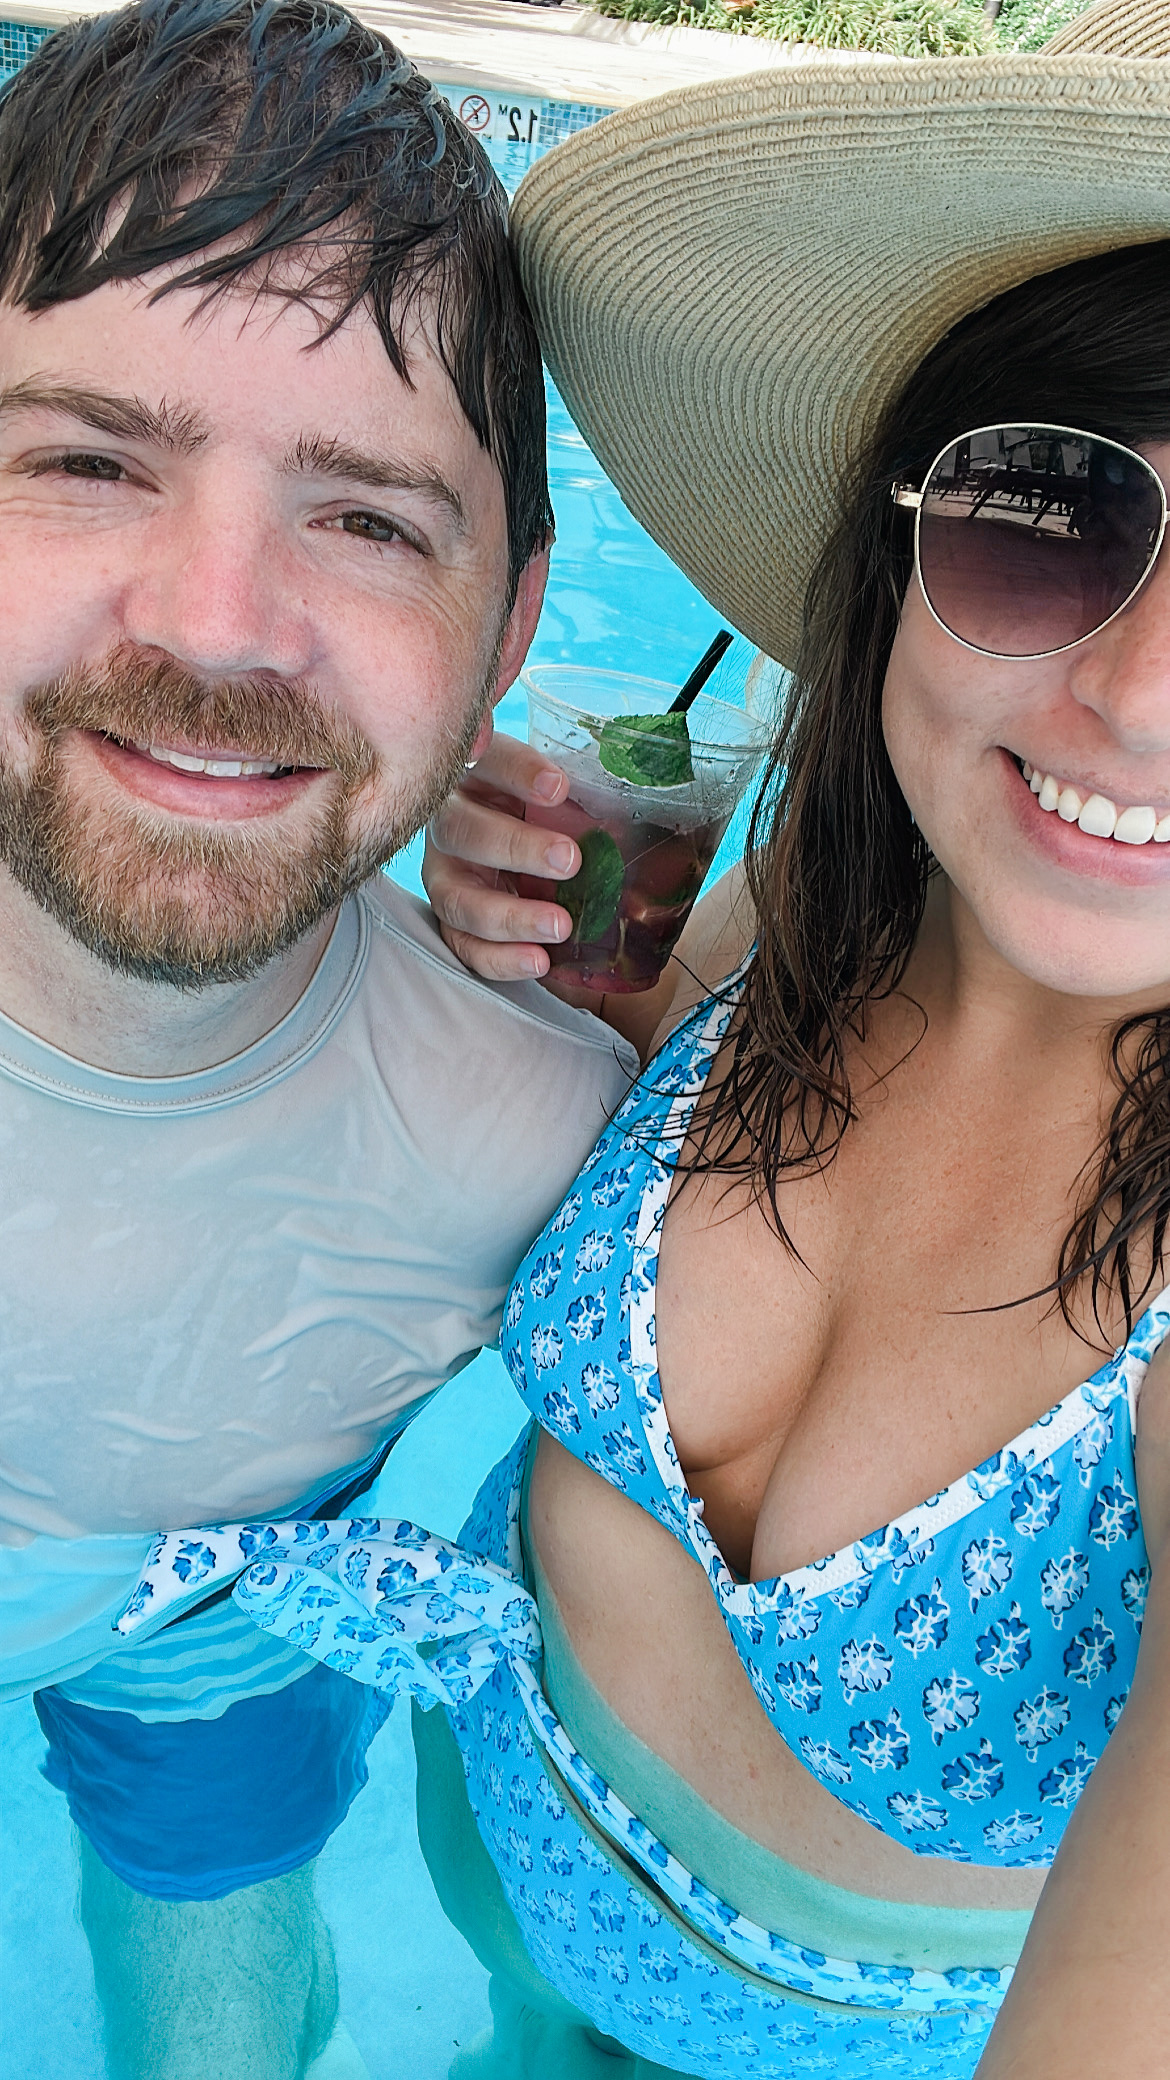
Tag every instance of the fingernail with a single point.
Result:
(559, 926)
(559, 856)
(547, 784)
(536, 965)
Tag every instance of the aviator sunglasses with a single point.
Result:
(1030, 539)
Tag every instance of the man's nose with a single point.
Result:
(1123, 674)
(216, 591)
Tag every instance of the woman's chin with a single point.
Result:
(1119, 960)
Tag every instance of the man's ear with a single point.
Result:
(521, 624)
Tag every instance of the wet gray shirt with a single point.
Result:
(219, 1289)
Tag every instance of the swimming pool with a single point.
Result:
(411, 1991)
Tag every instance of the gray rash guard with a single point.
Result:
(219, 1290)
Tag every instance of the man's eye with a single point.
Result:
(375, 527)
(102, 467)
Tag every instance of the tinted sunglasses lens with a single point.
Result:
(1030, 538)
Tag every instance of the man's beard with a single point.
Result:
(186, 903)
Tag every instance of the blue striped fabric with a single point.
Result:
(192, 1670)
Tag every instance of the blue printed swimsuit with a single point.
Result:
(951, 1678)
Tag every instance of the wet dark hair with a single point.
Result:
(146, 138)
(836, 867)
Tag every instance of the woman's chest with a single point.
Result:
(817, 1391)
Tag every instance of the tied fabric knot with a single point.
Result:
(375, 1599)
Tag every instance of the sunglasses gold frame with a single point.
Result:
(909, 499)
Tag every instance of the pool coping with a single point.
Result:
(565, 54)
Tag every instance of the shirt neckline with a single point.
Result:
(923, 1520)
(27, 1059)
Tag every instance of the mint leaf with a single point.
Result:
(592, 896)
(650, 750)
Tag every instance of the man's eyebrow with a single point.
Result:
(127, 418)
(321, 457)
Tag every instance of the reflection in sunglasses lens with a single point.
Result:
(1030, 538)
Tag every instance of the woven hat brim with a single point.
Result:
(733, 284)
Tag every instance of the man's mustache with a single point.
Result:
(145, 700)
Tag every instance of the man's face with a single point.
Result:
(253, 613)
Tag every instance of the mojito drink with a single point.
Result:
(650, 796)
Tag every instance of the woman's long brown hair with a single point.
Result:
(838, 871)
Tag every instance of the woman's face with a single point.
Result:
(1082, 914)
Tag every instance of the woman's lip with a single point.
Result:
(1067, 846)
(199, 797)
(1120, 799)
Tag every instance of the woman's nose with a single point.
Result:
(1123, 673)
(215, 592)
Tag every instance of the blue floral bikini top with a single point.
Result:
(953, 1676)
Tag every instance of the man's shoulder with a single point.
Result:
(493, 1092)
(405, 942)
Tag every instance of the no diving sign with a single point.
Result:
(476, 113)
(504, 118)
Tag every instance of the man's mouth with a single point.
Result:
(202, 781)
(218, 765)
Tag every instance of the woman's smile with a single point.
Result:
(1083, 830)
(1095, 813)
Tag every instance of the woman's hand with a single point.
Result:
(1153, 1457)
(477, 845)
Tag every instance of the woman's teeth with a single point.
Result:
(1095, 813)
(215, 768)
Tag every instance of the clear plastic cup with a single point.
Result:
(646, 847)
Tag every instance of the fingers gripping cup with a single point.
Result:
(650, 796)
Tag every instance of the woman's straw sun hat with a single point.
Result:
(732, 283)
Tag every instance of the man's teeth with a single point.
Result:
(1095, 813)
(215, 768)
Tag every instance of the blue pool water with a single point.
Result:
(411, 1991)
(614, 599)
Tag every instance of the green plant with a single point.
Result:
(899, 28)
(1026, 25)
(667, 14)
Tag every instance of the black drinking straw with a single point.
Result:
(702, 672)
